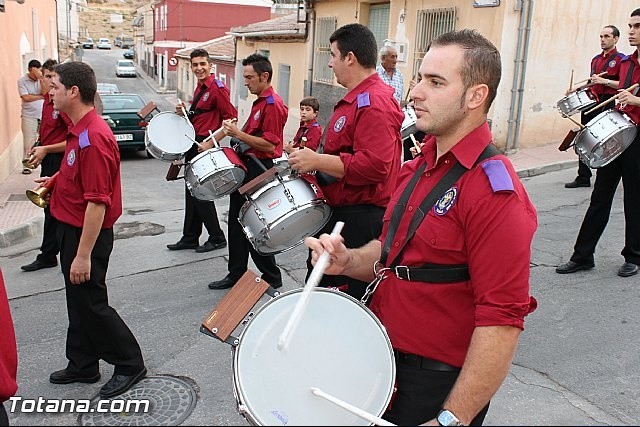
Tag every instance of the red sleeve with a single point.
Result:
(97, 168)
(223, 104)
(273, 124)
(8, 349)
(313, 137)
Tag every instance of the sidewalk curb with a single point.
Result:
(541, 170)
(21, 233)
(151, 83)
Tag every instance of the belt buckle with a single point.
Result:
(399, 268)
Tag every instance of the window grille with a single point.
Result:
(430, 24)
(324, 28)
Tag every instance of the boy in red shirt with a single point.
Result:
(309, 127)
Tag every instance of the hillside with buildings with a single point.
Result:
(108, 18)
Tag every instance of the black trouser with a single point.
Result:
(420, 394)
(362, 224)
(626, 167)
(49, 248)
(584, 171)
(239, 245)
(4, 418)
(95, 331)
(199, 212)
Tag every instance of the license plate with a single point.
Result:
(124, 137)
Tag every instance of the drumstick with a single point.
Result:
(353, 409)
(586, 80)
(629, 89)
(194, 141)
(571, 81)
(314, 278)
(219, 132)
(415, 144)
(581, 126)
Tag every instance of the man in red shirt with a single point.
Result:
(603, 87)
(53, 134)
(87, 201)
(452, 310)
(626, 167)
(259, 142)
(210, 105)
(8, 354)
(360, 155)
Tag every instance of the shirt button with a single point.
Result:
(410, 208)
(433, 241)
(427, 174)
(446, 162)
(396, 244)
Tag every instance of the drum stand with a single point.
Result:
(233, 308)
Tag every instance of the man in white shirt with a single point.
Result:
(389, 73)
(31, 89)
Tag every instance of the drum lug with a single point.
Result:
(246, 319)
(232, 341)
(248, 233)
(287, 193)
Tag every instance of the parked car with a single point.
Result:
(127, 42)
(121, 112)
(88, 43)
(103, 43)
(107, 88)
(117, 41)
(125, 67)
(129, 53)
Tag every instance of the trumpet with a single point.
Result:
(27, 163)
(38, 197)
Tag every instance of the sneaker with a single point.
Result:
(26, 171)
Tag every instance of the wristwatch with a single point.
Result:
(446, 418)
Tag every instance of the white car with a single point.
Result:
(104, 43)
(125, 67)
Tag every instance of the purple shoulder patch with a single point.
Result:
(219, 83)
(83, 139)
(498, 175)
(363, 100)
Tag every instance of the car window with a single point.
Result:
(125, 63)
(122, 102)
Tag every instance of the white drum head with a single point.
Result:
(170, 133)
(338, 346)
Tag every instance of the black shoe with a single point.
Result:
(572, 267)
(38, 264)
(576, 184)
(226, 283)
(118, 384)
(274, 285)
(210, 246)
(628, 269)
(64, 376)
(181, 245)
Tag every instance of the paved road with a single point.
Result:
(577, 362)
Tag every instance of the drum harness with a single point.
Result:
(431, 273)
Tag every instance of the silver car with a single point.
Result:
(125, 68)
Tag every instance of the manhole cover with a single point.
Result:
(154, 401)
(126, 230)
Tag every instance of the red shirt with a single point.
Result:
(630, 110)
(53, 124)
(312, 131)
(609, 62)
(213, 106)
(90, 172)
(8, 350)
(487, 222)
(364, 131)
(267, 119)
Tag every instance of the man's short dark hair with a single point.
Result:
(614, 30)
(481, 63)
(358, 39)
(635, 12)
(197, 53)
(311, 101)
(82, 76)
(34, 63)
(49, 65)
(260, 64)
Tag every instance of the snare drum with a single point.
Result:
(354, 364)
(278, 215)
(576, 102)
(604, 138)
(169, 136)
(214, 173)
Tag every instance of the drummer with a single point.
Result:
(602, 87)
(358, 163)
(626, 167)
(309, 127)
(210, 105)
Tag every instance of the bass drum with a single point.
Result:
(354, 364)
(604, 138)
(279, 215)
(169, 136)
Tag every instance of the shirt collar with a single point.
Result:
(208, 81)
(362, 86)
(84, 122)
(610, 54)
(466, 151)
(265, 93)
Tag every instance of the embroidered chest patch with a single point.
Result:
(612, 63)
(256, 116)
(55, 114)
(205, 97)
(445, 203)
(71, 157)
(339, 124)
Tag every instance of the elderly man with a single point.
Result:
(389, 73)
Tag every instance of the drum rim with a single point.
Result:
(150, 127)
(579, 141)
(241, 398)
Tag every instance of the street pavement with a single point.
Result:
(576, 363)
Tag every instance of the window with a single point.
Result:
(322, 50)
(431, 23)
(379, 23)
(223, 78)
(284, 77)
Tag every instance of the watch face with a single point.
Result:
(446, 418)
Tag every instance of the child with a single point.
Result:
(309, 128)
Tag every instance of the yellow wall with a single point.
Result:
(16, 32)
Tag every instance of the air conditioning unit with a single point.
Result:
(402, 52)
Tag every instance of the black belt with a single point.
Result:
(433, 273)
(422, 362)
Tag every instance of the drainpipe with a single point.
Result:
(311, 25)
(517, 88)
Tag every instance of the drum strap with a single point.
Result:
(193, 110)
(627, 79)
(429, 272)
